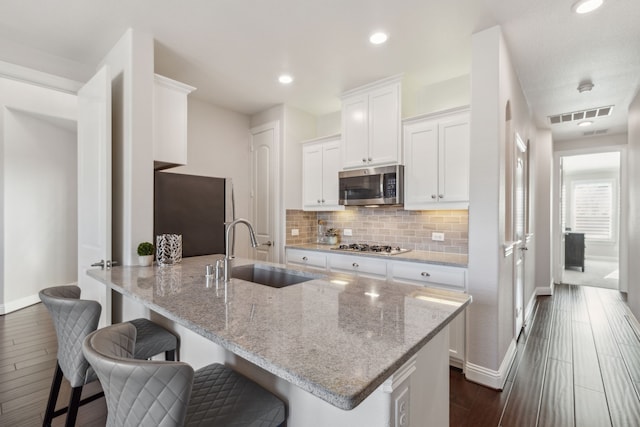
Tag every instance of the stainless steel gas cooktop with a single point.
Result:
(371, 249)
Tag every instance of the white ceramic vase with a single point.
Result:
(145, 260)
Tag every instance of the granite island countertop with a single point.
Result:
(337, 337)
(431, 257)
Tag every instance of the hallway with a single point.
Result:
(578, 364)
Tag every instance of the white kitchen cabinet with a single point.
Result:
(417, 273)
(436, 158)
(321, 162)
(362, 266)
(311, 259)
(457, 329)
(169, 122)
(371, 124)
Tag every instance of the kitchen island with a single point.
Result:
(340, 350)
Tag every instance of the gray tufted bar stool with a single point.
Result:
(157, 393)
(73, 320)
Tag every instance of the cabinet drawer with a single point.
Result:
(361, 265)
(429, 274)
(307, 258)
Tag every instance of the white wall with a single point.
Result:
(298, 126)
(444, 95)
(219, 147)
(490, 326)
(633, 230)
(41, 205)
(32, 201)
(132, 73)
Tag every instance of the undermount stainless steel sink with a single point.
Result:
(270, 276)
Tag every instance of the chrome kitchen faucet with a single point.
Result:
(228, 257)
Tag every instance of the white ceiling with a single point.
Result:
(233, 50)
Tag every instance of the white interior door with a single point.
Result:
(265, 194)
(519, 233)
(94, 187)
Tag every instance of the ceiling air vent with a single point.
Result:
(581, 115)
(596, 132)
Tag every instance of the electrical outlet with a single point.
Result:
(402, 409)
(295, 232)
(438, 237)
(347, 232)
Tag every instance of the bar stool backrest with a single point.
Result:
(138, 392)
(73, 320)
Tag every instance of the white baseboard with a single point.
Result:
(544, 291)
(530, 305)
(488, 377)
(19, 304)
(633, 322)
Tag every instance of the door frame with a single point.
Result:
(557, 233)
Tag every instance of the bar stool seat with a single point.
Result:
(73, 320)
(152, 393)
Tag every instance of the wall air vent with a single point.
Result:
(581, 115)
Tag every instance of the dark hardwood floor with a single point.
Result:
(28, 347)
(578, 364)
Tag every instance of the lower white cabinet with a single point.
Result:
(457, 329)
(366, 267)
(312, 259)
(440, 276)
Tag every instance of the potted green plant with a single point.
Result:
(145, 254)
(332, 235)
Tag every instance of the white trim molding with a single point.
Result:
(488, 377)
(19, 304)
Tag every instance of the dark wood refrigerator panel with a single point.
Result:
(193, 206)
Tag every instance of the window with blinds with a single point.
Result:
(593, 209)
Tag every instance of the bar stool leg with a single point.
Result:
(53, 397)
(74, 403)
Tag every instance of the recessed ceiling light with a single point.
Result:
(378, 38)
(585, 123)
(285, 79)
(586, 6)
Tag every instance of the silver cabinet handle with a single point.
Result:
(524, 248)
(441, 196)
(433, 196)
(364, 160)
(268, 243)
(370, 159)
(322, 200)
(318, 200)
(425, 274)
(304, 258)
(355, 265)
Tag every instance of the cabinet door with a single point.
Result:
(331, 165)
(312, 175)
(454, 159)
(355, 131)
(311, 259)
(421, 164)
(384, 125)
(359, 265)
(429, 275)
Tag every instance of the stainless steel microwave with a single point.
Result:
(372, 186)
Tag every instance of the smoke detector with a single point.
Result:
(585, 86)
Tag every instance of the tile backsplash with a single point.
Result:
(390, 225)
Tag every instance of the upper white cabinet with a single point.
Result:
(436, 158)
(169, 122)
(321, 162)
(371, 124)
